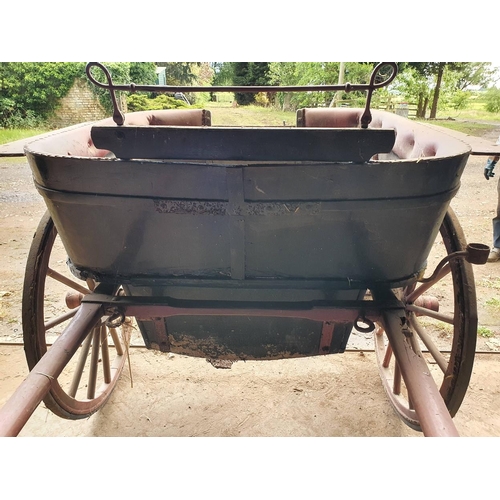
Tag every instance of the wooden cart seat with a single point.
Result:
(146, 137)
(172, 117)
(177, 117)
(413, 140)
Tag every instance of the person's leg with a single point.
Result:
(495, 251)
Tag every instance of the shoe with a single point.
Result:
(494, 255)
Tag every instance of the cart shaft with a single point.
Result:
(19, 408)
(434, 417)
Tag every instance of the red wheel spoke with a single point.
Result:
(82, 359)
(396, 386)
(66, 281)
(426, 286)
(60, 319)
(116, 341)
(441, 361)
(106, 366)
(423, 311)
(387, 357)
(94, 361)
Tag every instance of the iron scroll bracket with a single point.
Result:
(382, 75)
(118, 116)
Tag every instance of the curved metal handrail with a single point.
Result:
(119, 118)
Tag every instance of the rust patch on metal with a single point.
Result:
(183, 207)
(326, 337)
(161, 336)
(190, 207)
(220, 355)
(282, 208)
(201, 348)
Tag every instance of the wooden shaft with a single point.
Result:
(18, 409)
(434, 417)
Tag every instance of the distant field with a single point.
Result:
(255, 116)
(223, 114)
(466, 127)
(469, 114)
(10, 135)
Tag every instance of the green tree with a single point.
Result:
(299, 74)
(141, 102)
(493, 100)
(283, 73)
(249, 74)
(474, 73)
(317, 73)
(178, 73)
(414, 86)
(30, 89)
(467, 74)
(242, 76)
(143, 73)
(222, 73)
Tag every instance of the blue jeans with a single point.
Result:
(496, 221)
(496, 232)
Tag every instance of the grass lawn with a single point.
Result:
(224, 115)
(11, 135)
(469, 128)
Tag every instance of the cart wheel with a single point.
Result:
(445, 326)
(88, 380)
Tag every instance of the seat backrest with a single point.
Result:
(173, 117)
(163, 117)
(413, 140)
(329, 117)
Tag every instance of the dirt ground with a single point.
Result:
(172, 395)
